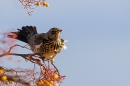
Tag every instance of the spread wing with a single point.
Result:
(36, 41)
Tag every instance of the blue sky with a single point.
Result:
(98, 51)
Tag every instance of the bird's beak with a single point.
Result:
(59, 30)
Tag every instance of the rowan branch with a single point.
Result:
(28, 57)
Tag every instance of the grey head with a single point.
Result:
(54, 33)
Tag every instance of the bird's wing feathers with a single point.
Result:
(36, 40)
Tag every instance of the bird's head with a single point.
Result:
(54, 33)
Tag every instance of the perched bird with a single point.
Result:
(45, 45)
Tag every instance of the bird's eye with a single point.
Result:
(53, 32)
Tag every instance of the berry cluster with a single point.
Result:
(49, 78)
(30, 4)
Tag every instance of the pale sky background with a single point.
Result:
(98, 51)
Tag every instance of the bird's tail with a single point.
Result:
(23, 33)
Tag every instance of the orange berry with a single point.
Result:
(56, 76)
(11, 82)
(56, 85)
(44, 3)
(38, 3)
(51, 82)
(7, 82)
(45, 81)
(47, 5)
(3, 78)
(2, 70)
(42, 71)
(38, 84)
(50, 85)
(41, 82)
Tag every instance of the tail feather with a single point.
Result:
(23, 33)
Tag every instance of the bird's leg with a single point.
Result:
(43, 60)
(52, 62)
